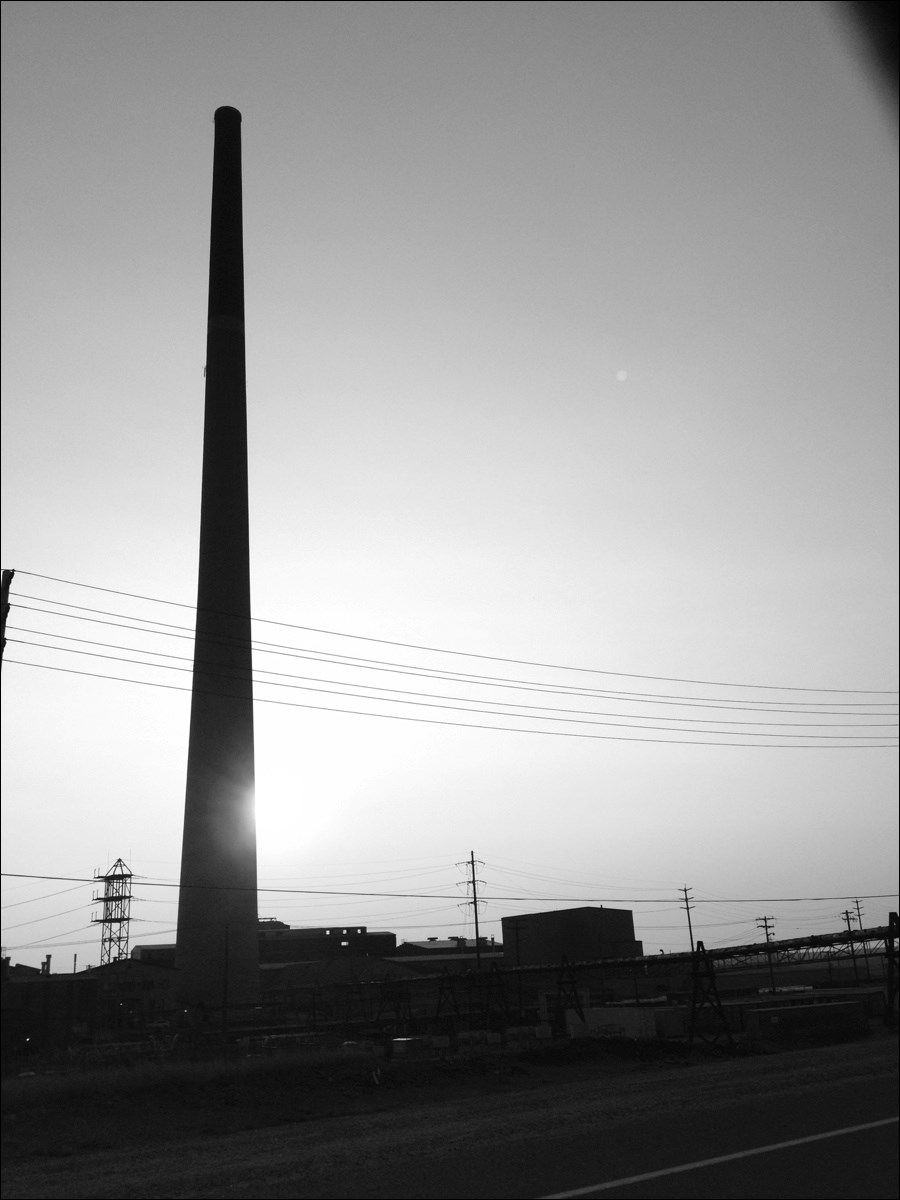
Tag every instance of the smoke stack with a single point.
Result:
(217, 941)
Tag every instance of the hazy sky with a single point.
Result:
(572, 348)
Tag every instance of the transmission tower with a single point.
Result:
(116, 901)
(474, 902)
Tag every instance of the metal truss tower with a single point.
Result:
(116, 901)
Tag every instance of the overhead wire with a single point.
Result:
(420, 671)
(282, 891)
(47, 896)
(259, 672)
(839, 744)
(755, 728)
(51, 917)
(466, 653)
(531, 712)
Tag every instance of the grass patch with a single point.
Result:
(73, 1112)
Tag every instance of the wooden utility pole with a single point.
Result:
(687, 909)
(763, 923)
(865, 945)
(848, 918)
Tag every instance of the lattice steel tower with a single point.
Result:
(116, 918)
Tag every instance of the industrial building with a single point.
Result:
(449, 954)
(577, 934)
(280, 943)
(129, 1008)
(116, 1002)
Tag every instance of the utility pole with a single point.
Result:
(687, 909)
(864, 945)
(846, 914)
(473, 883)
(5, 581)
(763, 923)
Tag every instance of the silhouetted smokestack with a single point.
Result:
(217, 941)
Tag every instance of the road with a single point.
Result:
(727, 1154)
(544, 1137)
(559, 1163)
(827, 1164)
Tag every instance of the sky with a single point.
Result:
(572, 396)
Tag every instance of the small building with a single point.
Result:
(453, 954)
(577, 934)
(280, 943)
(161, 955)
(127, 999)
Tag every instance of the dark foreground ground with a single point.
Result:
(339, 1125)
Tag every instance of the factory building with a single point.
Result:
(124, 1000)
(279, 943)
(577, 934)
(454, 954)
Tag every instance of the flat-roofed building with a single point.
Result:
(577, 934)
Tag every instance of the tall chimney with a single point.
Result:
(217, 941)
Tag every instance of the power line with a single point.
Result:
(331, 658)
(52, 917)
(575, 715)
(148, 883)
(473, 724)
(309, 679)
(37, 899)
(469, 654)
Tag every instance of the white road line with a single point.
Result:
(721, 1158)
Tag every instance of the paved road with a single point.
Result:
(862, 1165)
(860, 1161)
(539, 1140)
